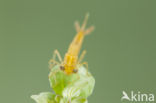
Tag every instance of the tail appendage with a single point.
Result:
(75, 46)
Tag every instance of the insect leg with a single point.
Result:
(85, 64)
(56, 53)
(52, 62)
(82, 56)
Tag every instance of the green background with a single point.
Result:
(121, 52)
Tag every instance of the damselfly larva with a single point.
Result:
(71, 60)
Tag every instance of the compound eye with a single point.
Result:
(75, 70)
(62, 68)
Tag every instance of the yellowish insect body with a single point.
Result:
(71, 60)
(71, 57)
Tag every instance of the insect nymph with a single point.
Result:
(71, 60)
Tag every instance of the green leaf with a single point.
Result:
(79, 100)
(83, 81)
(59, 80)
(45, 97)
(71, 92)
(75, 100)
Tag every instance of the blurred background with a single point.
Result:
(121, 52)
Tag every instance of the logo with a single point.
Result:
(137, 97)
